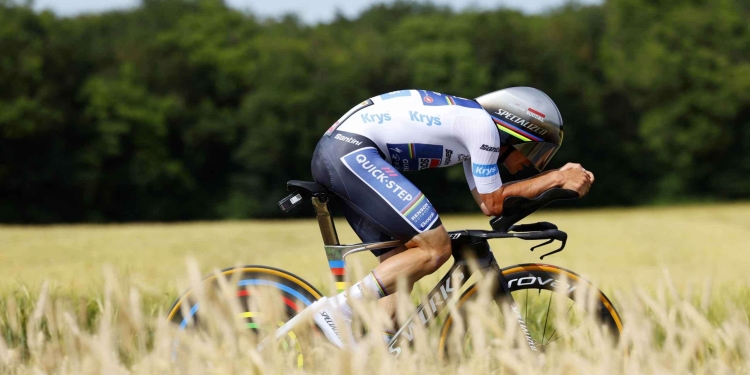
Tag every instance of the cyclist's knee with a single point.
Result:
(436, 246)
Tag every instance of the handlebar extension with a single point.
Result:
(517, 208)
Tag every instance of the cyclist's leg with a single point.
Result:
(380, 204)
(385, 199)
(424, 254)
(367, 231)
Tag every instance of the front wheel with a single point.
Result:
(554, 303)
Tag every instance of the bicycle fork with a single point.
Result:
(505, 296)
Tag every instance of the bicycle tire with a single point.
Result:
(295, 293)
(605, 312)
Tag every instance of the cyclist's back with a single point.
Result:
(419, 129)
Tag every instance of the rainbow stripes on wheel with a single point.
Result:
(253, 282)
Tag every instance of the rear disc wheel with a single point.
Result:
(267, 298)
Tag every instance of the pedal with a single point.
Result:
(291, 201)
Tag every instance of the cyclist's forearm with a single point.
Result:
(529, 188)
(533, 187)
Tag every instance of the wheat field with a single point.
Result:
(91, 298)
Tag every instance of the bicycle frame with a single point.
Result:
(450, 284)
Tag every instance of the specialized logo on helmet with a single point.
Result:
(519, 121)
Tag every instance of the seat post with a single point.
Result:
(325, 221)
(331, 242)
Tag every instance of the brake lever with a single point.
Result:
(542, 244)
(564, 241)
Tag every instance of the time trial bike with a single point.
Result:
(527, 291)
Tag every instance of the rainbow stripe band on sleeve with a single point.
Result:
(338, 270)
(418, 200)
(515, 131)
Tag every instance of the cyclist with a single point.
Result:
(362, 156)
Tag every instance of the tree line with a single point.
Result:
(189, 109)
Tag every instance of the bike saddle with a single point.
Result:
(310, 187)
(300, 191)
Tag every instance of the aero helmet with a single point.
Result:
(528, 120)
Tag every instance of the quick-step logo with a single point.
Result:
(401, 194)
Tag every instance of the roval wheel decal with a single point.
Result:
(573, 276)
(531, 267)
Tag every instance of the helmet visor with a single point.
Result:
(538, 153)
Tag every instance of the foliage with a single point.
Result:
(188, 109)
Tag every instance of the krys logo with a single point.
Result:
(375, 118)
(429, 120)
(484, 170)
(382, 175)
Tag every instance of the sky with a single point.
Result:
(311, 11)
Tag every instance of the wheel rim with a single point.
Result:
(541, 323)
(295, 294)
